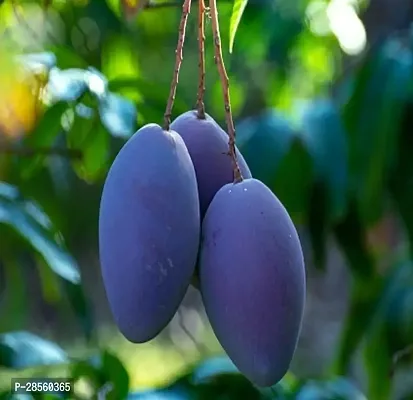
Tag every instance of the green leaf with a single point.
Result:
(387, 333)
(20, 350)
(118, 115)
(366, 286)
(325, 136)
(318, 223)
(29, 221)
(293, 180)
(81, 307)
(91, 137)
(401, 180)
(264, 140)
(43, 136)
(105, 372)
(237, 11)
(373, 117)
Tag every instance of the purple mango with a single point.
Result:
(252, 279)
(207, 144)
(149, 229)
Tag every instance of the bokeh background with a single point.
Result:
(322, 96)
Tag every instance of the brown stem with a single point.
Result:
(30, 152)
(219, 61)
(201, 49)
(186, 9)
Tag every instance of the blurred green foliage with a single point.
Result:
(85, 75)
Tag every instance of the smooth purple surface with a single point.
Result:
(149, 229)
(252, 278)
(207, 144)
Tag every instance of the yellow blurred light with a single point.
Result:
(18, 100)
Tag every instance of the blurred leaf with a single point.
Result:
(28, 220)
(351, 237)
(38, 62)
(378, 359)
(153, 95)
(211, 367)
(117, 375)
(318, 223)
(228, 386)
(14, 302)
(396, 309)
(20, 350)
(43, 136)
(96, 82)
(326, 139)
(373, 119)
(264, 140)
(66, 85)
(387, 333)
(118, 115)
(89, 135)
(293, 180)
(81, 307)
(105, 372)
(67, 57)
(366, 286)
(173, 392)
(237, 11)
(335, 389)
(401, 180)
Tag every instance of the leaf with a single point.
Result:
(324, 134)
(318, 223)
(118, 115)
(386, 334)
(237, 11)
(28, 220)
(96, 82)
(373, 117)
(293, 180)
(43, 136)
(264, 140)
(38, 62)
(89, 135)
(230, 386)
(66, 85)
(106, 373)
(334, 389)
(351, 237)
(401, 180)
(20, 350)
(211, 367)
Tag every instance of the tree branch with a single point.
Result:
(201, 49)
(186, 9)
(31, 152)
(225, 88)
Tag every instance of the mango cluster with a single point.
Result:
(169, 210)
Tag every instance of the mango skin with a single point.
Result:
(149, 229)
(207, 144)
(252, 279)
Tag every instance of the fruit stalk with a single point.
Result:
(219, 61)
(201, 48)
(186, 9)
